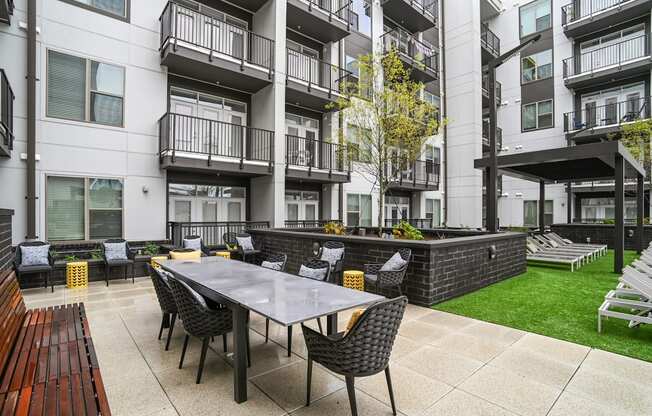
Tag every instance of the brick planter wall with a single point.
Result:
(602, 233)
(439, 270)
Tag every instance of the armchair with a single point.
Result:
(382, 279)
(22, 269)
(121, 260)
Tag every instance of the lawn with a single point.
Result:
(560, 304)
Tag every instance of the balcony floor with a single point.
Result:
(441, 364)
(315, 22)
(303, 174)
(199, 162)
(607, 18)
(409, 17)
(610, 73)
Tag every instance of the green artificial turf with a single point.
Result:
(560, 304)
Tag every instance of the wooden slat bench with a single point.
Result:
(48, 364)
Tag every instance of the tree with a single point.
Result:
(636, 138)
(392, 120)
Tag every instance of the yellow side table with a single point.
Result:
(153, 261)
(76, 274)
(225, 254)
(353, 279)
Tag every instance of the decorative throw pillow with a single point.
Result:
(353, 319)
(395, 263)
(272, 265)
(34, 255)
(115, 251)
(193, 243)
(332, 255)
(315, 274)
(245, 243)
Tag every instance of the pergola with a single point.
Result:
(589, 162)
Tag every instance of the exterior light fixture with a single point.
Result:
(630, 233)
(315, 249)
(492, 252)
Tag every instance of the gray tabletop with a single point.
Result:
(284, 298)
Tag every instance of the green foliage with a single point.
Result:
(96, 254)
(151, 249)
(335, 228)
(404, 231)
(70, 258)
(636, 138)
(554, 302)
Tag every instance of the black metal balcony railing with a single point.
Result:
(485, 88)
(490, 41)
(211, 233)
(316, 154)
(579, 9)
(485, 135)
(334, 8)
(308, 223)
(6, 112)
(425, 7)
(612, 114)
(407, 45)
(613, 55)
(315, 72)
(419, 172)
(421, 223)
(188, 134)
(186, 27)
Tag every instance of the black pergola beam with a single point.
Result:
(640, 208)
(542, 207)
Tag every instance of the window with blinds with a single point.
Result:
(112, 7)
(83, 208)
(84, 90)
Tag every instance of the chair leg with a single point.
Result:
(160, 333)
(183, 351)
(133, 273)
(125, 271)
(48, 277)
(204, 348)
(172, 321)
(321, 330)
(391, 390)
(309, 380)
(106, 274)
(224, 341)
(350, 388)
(289, 341)
(266, 330)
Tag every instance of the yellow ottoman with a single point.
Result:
(76, 274)
(153, 261)
(353, 279)
(185, 254)
(225, 254)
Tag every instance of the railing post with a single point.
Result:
(173, 23)
(309, 73)
(210, 141)
(242, 140)
(174, 136)
(210, 53)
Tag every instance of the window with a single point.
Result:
(84, 90)
(359, 150)
(537, 115)
(83, 208)
(433, 211)
(535, 17)
(111, 7)
(358, 210)
(537, 66)
(531, 213)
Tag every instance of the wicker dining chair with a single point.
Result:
(275, 258)
(199, 320)
(336, 269)
(362, 351)
(387, 279)
(165, 300)
(244, 254)
(205, 251)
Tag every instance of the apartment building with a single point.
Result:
(146, 112)
(587, 76)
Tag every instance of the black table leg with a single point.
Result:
(240, 354)
(331, 324)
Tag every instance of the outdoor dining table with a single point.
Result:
(283, 298)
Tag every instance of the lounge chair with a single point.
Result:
(634, 295)
(602, 248)
(538, 256)
(536, 247)
(588, 253)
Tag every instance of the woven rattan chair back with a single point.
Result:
(319, 264)
(162, 289)
(278, 258)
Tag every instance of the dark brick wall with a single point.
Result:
(602, 233)
(6, 256)
(439, 270)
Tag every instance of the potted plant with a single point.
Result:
(152, 250)
(335, 228)
(405, 231)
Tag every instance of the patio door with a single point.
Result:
(303, 140)
(301, 206)
(183, 127)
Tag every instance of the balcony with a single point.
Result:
(485, 92)
(490, 44)
(193, 143)
(490, 9)
(324, 20)
(419, 175)
(6, 116)
(617, 61)
(414, 15)
(200, 46)
(485, 137)
(316, 161)
(596, 123)
(581, 17)
(421, 59)
(313, 83)
(6, 10)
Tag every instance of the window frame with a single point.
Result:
(520, 19)
(352, 142)
(549, 203)
(87, 208)
(126, 18)
(537, 66)
(536, 104)
(88, 91)
(359, 211)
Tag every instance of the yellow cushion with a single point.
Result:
(353, 319)
(189, 255)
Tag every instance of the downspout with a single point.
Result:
(445, 106)
(31, 120)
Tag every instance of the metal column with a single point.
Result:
(619, 196)
(542, 207)
(640, 208)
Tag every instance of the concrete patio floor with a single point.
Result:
(442, 364)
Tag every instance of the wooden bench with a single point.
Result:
(48, 364)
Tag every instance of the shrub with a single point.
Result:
(404, 231)
(150, 249)
(334, 228)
